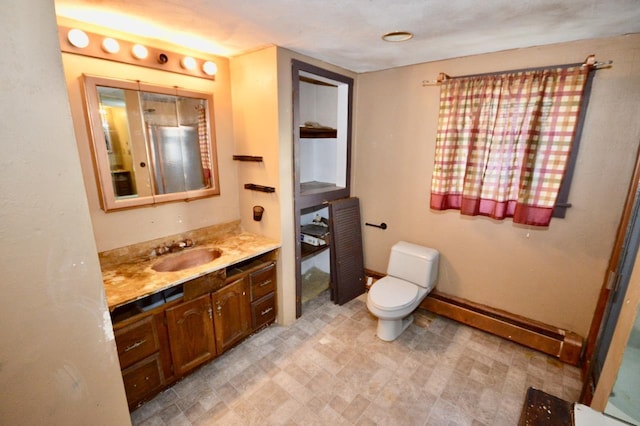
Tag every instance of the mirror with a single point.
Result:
(151, 144)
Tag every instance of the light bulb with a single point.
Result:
(78, 38)
(110, 45)
(139, 51)
(209, 68)
(188, 63)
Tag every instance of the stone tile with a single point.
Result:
(285, 413)
(446, 413)
(338, 404)
(330, 368)
(227, 393)
(297, 391)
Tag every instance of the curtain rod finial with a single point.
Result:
(590, 61)
(443, 77)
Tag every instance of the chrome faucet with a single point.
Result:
(173, 247)
(179, 245)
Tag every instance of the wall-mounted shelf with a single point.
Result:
(307, 250)
(261, 188)
(254, 158)
(317, 132)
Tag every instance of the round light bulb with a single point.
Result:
(110, 45)
(188, 63)
(209, 68)
(78, 38)
(139, 51)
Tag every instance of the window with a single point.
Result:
(504, 142)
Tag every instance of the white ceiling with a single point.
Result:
(348, 33)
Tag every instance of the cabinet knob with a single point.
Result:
(219, 309)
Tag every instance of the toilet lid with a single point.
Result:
(390, 293)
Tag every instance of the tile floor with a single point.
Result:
(329, 368)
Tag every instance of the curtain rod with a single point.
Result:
(589, 62)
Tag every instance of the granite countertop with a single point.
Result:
(134, 279)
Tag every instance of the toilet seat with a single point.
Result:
(391, 294)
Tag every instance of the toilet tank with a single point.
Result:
(414, 263)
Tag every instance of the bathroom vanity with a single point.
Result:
(168, 323)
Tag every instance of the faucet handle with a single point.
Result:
(160, 250)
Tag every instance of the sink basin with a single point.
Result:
(186, 259)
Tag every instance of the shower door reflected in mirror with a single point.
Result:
(151, 144)
(172, 125)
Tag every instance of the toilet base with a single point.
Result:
(389, 330)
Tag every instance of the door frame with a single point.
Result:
(611, 290)
(321, 198)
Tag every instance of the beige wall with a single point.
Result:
(121, 228)
(58, 362)
(549, 274)
(263, 120)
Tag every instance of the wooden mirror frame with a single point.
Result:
(109, 201)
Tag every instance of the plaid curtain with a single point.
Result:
(503, 142)
(203, 141)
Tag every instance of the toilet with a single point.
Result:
(411, 275)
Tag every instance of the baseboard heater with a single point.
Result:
(563, 344)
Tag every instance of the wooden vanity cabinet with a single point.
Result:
(139, 351)
(143, 379)
(191, 336)
(231, 314)
(185, 329)
(263, 296)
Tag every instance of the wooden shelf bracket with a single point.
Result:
(261, 188)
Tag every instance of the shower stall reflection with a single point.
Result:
(176, 133)
(177, 159)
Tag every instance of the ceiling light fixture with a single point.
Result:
(102, 46)
(396, 36)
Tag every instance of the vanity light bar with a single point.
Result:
(80, 42)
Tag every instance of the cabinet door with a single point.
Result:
(191, 333)
(347, 263)
(231, 314)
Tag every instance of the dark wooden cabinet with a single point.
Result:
(263, 296)
(143, 379)
(163, 337)
(140, 357)
(191, 333)
(231, 314)
(263, 311)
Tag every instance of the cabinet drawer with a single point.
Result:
(263, 311)
(204, 284)
(142, 379)
(136, 341)
(263, 281)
